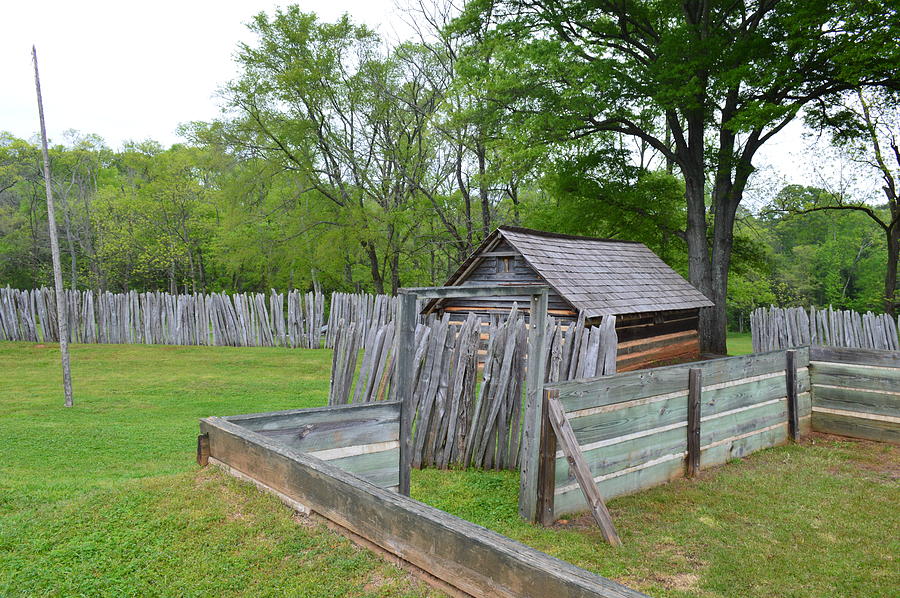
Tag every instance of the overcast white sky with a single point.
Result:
(131, 70)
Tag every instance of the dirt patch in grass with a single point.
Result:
(867, 456)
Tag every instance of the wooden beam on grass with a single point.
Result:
(565, 437)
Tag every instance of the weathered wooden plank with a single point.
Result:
(848, 399)
(889, 359)
(855, 376)
(611, 458)
(467, 556)
(328, 435)
(581, 394)
(856, 427)
(640, 418)
(406, 344)
(695, 384)
(294, 418)
(627, 482)
(381, 468)
(741, 445)
(733, 424)
(547, 465)
(468, 291)
(792, 390)
(565, 437)
(746, 394)
(534, 391)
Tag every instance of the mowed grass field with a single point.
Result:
(105, 498)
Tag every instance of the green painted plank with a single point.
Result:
(857, 356)
(609, 459)
(742, 395)
(293, 418)
(855, 376)
(629, 420)
(862, 401)
(804, 404)
(609, 390)
(629, 483)
(327, 435)
(743, 422)
(723, 453)
(381, 468)
(856, 427)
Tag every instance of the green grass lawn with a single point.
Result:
(739, 343)
(105, 499)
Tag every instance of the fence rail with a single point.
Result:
(783, 328)
(635, 429)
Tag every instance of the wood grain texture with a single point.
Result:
(581, 394)
(856, 427)
(695, 386)
(469, 557)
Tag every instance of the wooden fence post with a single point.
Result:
(406, 346)
(203, 450)
(790, 376)
(534, 383)
(695, 385)
(547, 466)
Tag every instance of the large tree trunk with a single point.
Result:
(890, 276)
(699, 271)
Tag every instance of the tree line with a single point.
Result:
(360, 164)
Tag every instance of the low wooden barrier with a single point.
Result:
(635, 429)
(361, 439)
(856, 392)
(468, 557)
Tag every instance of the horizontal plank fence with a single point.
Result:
(292, 319)
(635, 429)
(467, 558)
(457, 420)
(856, 393)
(783, 328)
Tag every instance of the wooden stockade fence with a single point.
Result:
(364, 312)
(292, 319)
(453, 424)
(783, 328)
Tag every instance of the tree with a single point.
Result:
(866, 125)
(704, 83)
(818, 259)
(323, 101)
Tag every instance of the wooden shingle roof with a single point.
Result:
(598, 276)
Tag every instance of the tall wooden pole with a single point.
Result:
(61, 314)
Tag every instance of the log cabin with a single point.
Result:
(657, 311)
